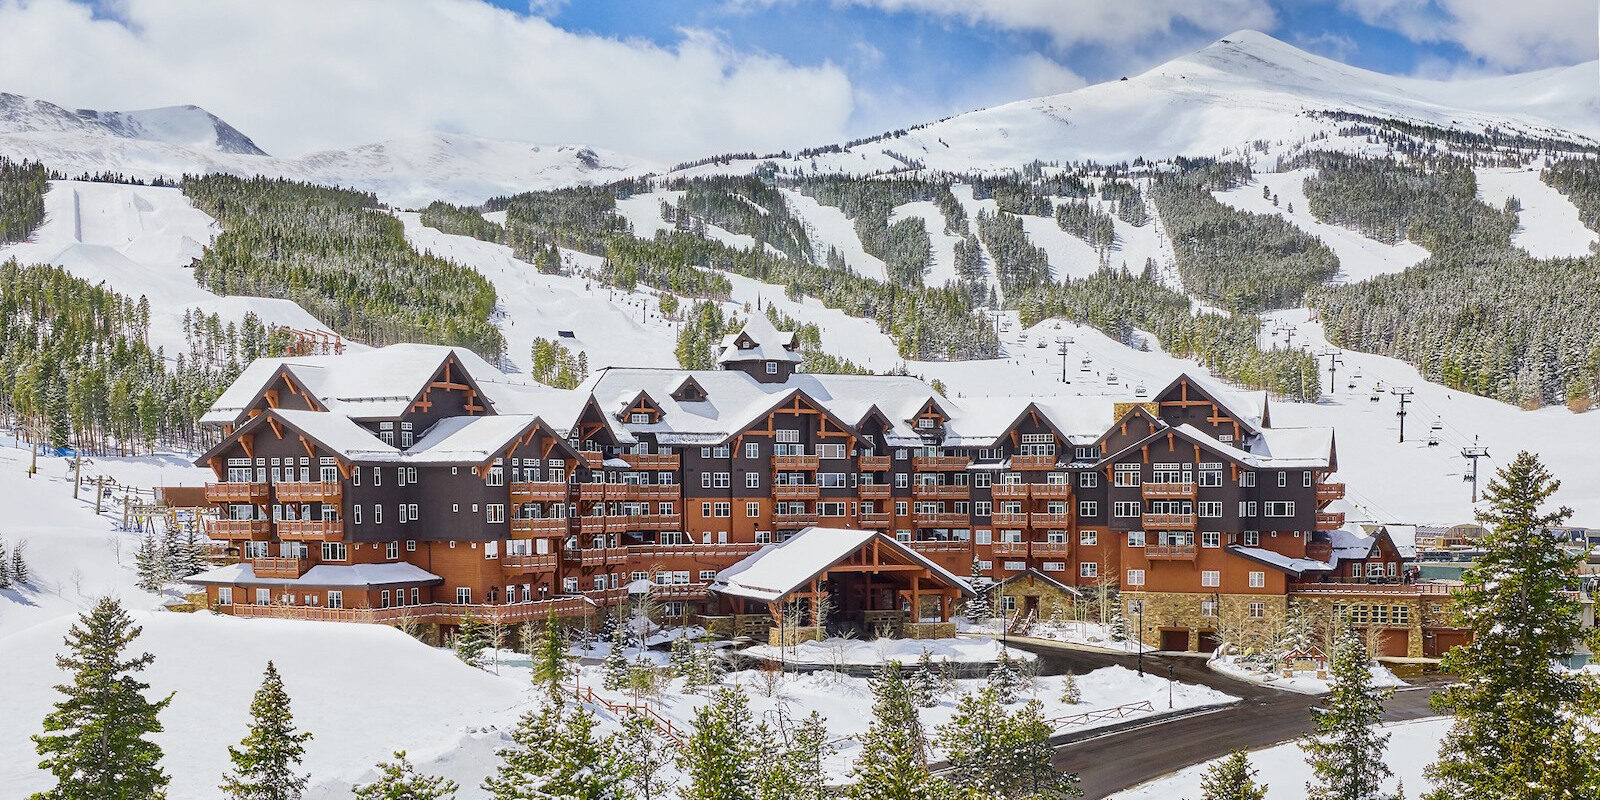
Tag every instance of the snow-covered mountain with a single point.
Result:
(1245, 88)
(414, 171)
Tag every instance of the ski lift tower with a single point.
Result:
(1334, 360)
(1472, 454)
(1061, 347)
(1404, 393)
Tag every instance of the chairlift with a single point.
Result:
(1139, 391)
(1111, 378)
(1351, 385)
(1039, 345)
(1438, 424)
(1433, 441)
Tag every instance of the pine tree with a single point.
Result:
(94, 741)
(1346, 754)
(808, 748)
(1070, 693)
(995, 754)
(1298, 632)
(680, 660)
(549, 655)
(979, 609)
(924, 684)
(719, 759)
(264, 763)
(643, 756)
(556, 756)
(1005, 679)
(149, 565)
(1517, 732)
(893, 764)
(616, 666)
(1118, 626)
(1232, 778)
(19, 565)
(194, 558)
(5, 567)
(399, 780)
(471, 641)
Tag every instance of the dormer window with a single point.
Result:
(925, 423)
(772, 367)
(639, 418)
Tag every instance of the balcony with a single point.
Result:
(1358, 586)
(1011, 549)
(595, 556)
(799, 520)
(1163, 522)
(1051, 519)
(795, 491)
(644, 553)
(873, 491)
(592, 459)
(940, 491)
(258, 530)
(943, 520)
(538, 492)
(1009, 519)
(538, 527)
(236, 493)
(280, 567)
(669, 461)
(800, 462)
(1051, 491)
(1328, 520)
(1033, 463)
(1329, 492)
(311, 530)
(593, 524)
(940, 463)
(879, 520)
(942, 546)
(599, 491)
(875, 463)
(450, 613)
(308, 492)
(533, 562)
(657, 491)
(1169, 552)
(678, 591)
(1009, 491)
(1179, 491)
(1049, 549)
(643, 522)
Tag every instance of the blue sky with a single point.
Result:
(675, 79)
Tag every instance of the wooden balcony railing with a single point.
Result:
(875, 463)
(279, 567)
(1049, 549)
(533, 611)
(591, 459)
(532, 562)
(940, 545)
(943, 520)
(1431, 588)
(538, 492)
(643, 522)
(236, 493)
(1328, 492)
(308, 491)
(538, 527)
(595, 556)
(311, 530)
(593, 523)
(1010, 549)
(799, 462)
(1169, 552)
(1009, 519)
(1329, 520)
(678, 591)
(795, 491)
(658, 491)
(1169, 490)
(600, 491)
(940, 491)
(1033, 463)
(259, 530)
(1051, 519)
(879, 520)
(1009, 491)
(652, 460)
(873, 491)
(796, 520)
(1051, 491)
(1163, 522)
(644, 553)
(940, 463)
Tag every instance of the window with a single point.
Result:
(834, 450)
(1136, 538)
(412, 508)
(1252, 538)
(1088, 508)
(463, 595)
(752, 480)
(416, 595)
(925, 423)
(1210, 508)
(1258, 610)
(1307, 478)
(1283, 479)
(383, 598)
(335, 598)
(830, 509)
(900, 508)
(404, 518)
(705, 480)
(391, 550)
(263, 597)
(491, 550)
(752, 449)
(901, 480)
(752, 509)
(639, 418)
(1258, 580)
(224, 595)
(334, 551)
(831, 480)
(722, 509)
(1125, 475)
(1247, 508)
(1279, 508)
(1125, 508)
(982, 480)
(1135, 577)
(721, 480)
(1054, 566)
(1088, 537)
(377, 514)
(1016, 566)
(1210, 578)
(494, 512)
(1210, 539)
(1247, 479)
(1210, 474)
(772, 367)
(355, 514)
(411, 545)
(1088, 480)
(1208, 608)
(377, 477)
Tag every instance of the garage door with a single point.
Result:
(1438, 641)
(1175, 639)
(1209, 641)
(1394, 642)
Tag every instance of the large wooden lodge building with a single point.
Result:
(419, 482)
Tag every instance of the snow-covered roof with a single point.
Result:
(1307, 448)
(338, 433)
(766, 343)
(778, 569)
(468, 440)
(1279, 561)
(342, 575)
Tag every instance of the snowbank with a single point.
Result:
(1302, 682)
(859, 652)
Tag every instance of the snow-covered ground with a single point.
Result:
(1359, 257)
(1412, 747)
(1548, 223)
(826, 225)
(140, 240)
(1302, 682)
(942, 269)
(1091, 634)
(859, 652)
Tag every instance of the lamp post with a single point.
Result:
(1169, 685)
(1138, 638)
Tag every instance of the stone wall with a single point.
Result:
(1181, 611)
(1053, 601)
(929, 630)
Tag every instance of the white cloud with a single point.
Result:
(1040, 76)
(1527, 35)
(1113, 22)
(297, 75)
(1332, 45)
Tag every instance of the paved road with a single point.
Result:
(1108, 762)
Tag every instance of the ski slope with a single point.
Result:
(827, 226)
(140, 240)
(1548, 224)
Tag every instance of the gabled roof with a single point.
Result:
(478, 440)
(1303, 448)
(759, 341)
(1043, 577)
(1250, 410)
(1278, 561)
(335, 575)
(778, 569)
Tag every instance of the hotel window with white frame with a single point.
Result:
(463, 595)
(1210, 538)
(1283, 479)
(1208, 608)
(1279, 508)
(377, 514)
(1258, 610)
(263, 597)
(1247, 508)
(1088, 508)
(752, 480)
(982, 480)
(391, 550)
(334, 551)
(1210, 578)
(752, 449)
(1088, 569)
(1210, 509)
(1252, 538)
(491, 550)
(411, 545)
(1247, 479)
(752, 509)
(1054, 566)
(1088, 537)
(1088, 479)
(1210, 474)
(1136, 538)
(1135, 577)
(225, 595)
(1258, 580)
(494, 512)
(832, 450)
(1126, 508)
(355, 514)
(1125, 475)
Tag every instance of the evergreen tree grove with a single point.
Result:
(264, 764)
(1346, 754)
(1518, 731)
(893, 764)
(719, 760)
(94, 743)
